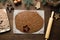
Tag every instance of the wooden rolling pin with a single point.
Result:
(49, 26)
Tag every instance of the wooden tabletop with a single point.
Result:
(55, 32)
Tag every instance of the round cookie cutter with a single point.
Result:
(53, 2)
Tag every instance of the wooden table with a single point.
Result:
(55, 32)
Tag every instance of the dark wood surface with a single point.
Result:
(55, 32)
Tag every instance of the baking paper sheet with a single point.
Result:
(16, 31)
